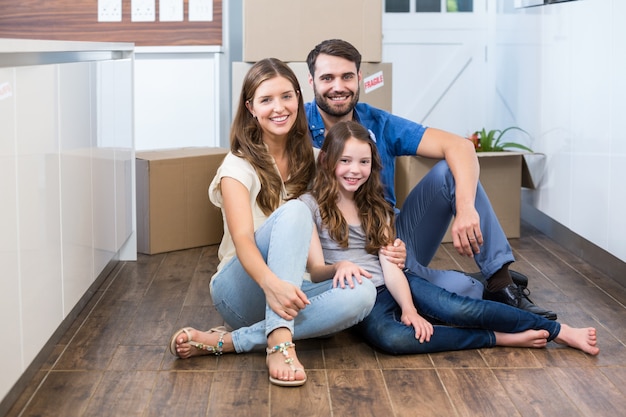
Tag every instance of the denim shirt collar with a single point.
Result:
(316, 123)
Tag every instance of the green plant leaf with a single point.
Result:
(490, 141)
(506, 145)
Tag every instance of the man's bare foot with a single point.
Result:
(202, 343)
(579, 338)
(529, 338)
(282, 361)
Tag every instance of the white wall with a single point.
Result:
(560, 74)
(67, 187)
(177, 97)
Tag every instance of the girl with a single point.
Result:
(354, 220)
(259, 288)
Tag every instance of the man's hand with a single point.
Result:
(466, 234)
(395, 253)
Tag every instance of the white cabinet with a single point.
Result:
(67, 184)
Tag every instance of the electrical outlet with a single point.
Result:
(109, 10)
(200, 10)
(171, 10)
(143, 10)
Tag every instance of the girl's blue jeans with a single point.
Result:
(468, 323)
(283, 241)
(423, 220)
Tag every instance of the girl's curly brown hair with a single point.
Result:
(375, 213)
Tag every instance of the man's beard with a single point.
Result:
(325, 104)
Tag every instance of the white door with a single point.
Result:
(439, 54)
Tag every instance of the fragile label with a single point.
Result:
(373, 82)
(5, 91)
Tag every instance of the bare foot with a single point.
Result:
(579, 338)
(277, 362)
(528, 338)
(203, 343)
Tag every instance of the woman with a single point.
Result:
(354, 220)
(259, 288)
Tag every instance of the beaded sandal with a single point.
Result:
(216, 350)
(282, 348)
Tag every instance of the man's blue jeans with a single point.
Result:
(283, 241)
(423, 220)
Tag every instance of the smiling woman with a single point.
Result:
(259, 287)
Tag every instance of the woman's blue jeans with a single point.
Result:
(283, 241)
(469, 323)
(423, 220)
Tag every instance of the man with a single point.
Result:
(450, 190)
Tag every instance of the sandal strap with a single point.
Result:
(216, 350)
(282, 348)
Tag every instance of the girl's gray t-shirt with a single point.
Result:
(355, 252)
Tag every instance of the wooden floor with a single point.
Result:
(114, 359)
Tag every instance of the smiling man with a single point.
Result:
(451, 191)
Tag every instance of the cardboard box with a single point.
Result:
(500, 175)
(288, 29)
(375, 85)
(173, 207)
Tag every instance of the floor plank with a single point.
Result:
(534, 393)
(590, 391)
(477, 392)
(180, 394)
(65, 393)
(410, 399)
(358, 392)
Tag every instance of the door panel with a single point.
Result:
(439, 67)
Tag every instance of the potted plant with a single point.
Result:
(492, 140)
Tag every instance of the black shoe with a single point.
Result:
(520, 279)
(516, 297)
(527, 304)
(511, 295)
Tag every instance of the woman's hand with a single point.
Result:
(284, 298)
(423, 328)
(346, 272)
(395, 253)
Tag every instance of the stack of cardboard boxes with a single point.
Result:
(288, 30)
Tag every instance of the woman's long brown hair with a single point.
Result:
(375, 213)
(246, 139)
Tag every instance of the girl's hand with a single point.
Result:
(285, 299)
(423, 328)
(347, 272)
(395, 253)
